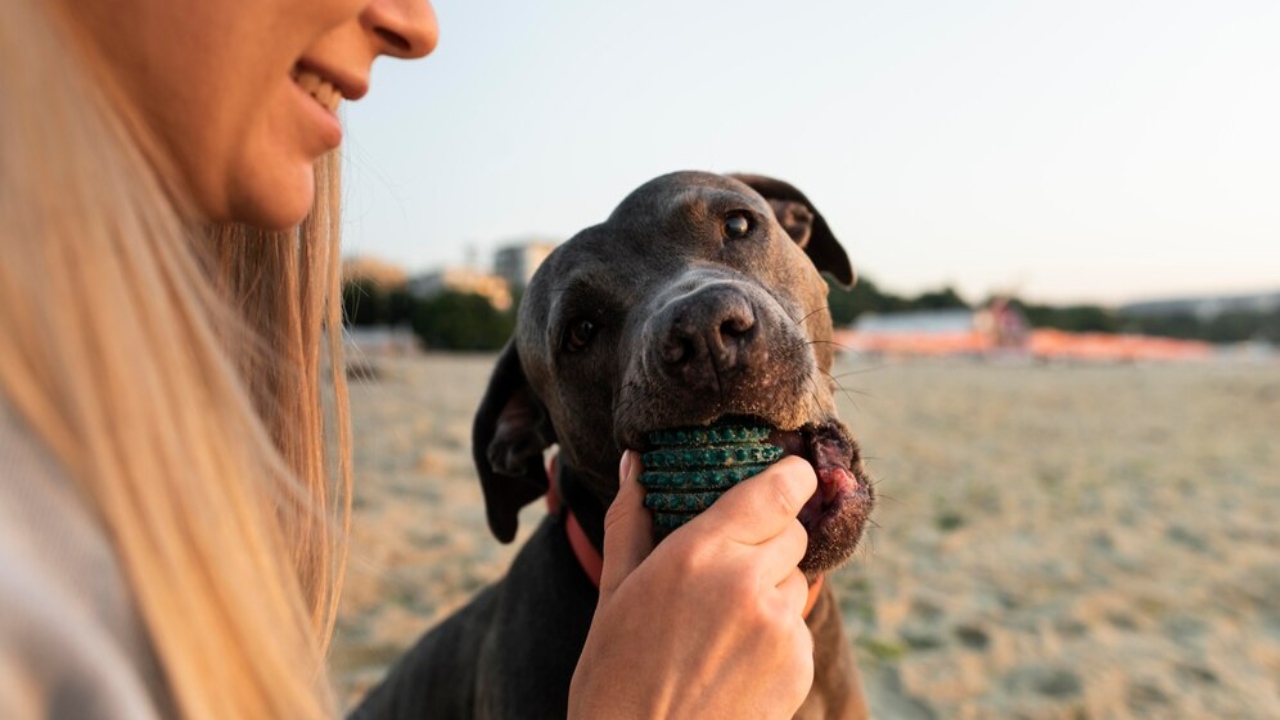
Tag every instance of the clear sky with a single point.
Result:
(1096, 150)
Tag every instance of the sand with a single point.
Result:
(1052, 541)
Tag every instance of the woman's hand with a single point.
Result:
(707, 624)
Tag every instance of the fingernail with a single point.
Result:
(624, 470)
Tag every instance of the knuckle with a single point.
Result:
(804, 654)
(798, 539)
(792, 481)
(771, 614)
(783, 496)
(688, 557)
(614, 515)
(799, 582)
(760, 625)
(741, 588)
(742, 595)
(802, 670)
(795, 643)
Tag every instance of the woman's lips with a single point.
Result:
(317, 101)
(322, 91)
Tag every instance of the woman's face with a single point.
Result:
(243, 93)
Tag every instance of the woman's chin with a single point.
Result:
(281, 209)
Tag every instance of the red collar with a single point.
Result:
(589, 558)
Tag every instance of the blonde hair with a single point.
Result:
(176, 371)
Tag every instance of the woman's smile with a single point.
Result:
(323, 91)
(244, 96)
(319, 100)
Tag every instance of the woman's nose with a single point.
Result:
(404, 28)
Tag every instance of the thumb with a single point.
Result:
(628, 528)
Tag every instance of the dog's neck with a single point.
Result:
(577, 498)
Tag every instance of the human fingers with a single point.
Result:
(701, 616)
(778, 556)
(765, 505)
(628, 527)
(793, 592)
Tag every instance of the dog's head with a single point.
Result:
(699, 299)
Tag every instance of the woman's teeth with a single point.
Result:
(322, 90)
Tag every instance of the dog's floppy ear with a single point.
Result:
(804, 224)
(510, 432)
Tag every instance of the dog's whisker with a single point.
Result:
(811, 314)
(847, 392)
(863, 371)
(882, 497)
(836, 344)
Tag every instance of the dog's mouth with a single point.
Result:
(836, 514)
(831, 454)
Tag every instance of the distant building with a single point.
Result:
(492, 287)
(960, 320)
(517, 263)
(380, 274)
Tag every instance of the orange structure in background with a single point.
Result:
(1101, 346)
(1000, 330)
(906, 343)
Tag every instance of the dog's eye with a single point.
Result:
(579, 335)
(737, 226)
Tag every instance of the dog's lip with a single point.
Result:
(828, 449)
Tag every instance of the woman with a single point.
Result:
(171, 540)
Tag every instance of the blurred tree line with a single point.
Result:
(447, 321)
(464, 321)
(865, 296)
(1227, 327)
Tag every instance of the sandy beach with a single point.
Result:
(1052, 541)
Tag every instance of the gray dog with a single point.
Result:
(698, 299)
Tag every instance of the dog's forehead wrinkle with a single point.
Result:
(612, 260)
(591, 275)
(699, 276)
(685, 199)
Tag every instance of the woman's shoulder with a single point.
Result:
(71, 642)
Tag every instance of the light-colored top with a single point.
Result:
(72, 645)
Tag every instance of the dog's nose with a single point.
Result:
(707, 337)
